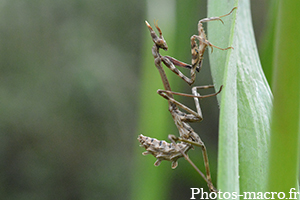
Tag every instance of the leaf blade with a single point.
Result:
(245, 108)
(284, 148)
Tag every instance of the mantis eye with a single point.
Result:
(162, 44)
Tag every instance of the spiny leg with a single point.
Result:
(169, 64)
(199, 143)
(179, 63)
(203, 42)
(195, 88)
(207, 179)
(198, 51)
(202, 35)
(197, 96)
(217, 18)
(195, 116)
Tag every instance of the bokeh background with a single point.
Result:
(70, 92)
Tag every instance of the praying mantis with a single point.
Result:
(188, 138)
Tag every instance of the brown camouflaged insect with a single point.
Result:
(173, 151)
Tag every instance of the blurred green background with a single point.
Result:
(70, 91)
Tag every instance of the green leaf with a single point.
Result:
(266, 48)
(245, 102)
(284, 148)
